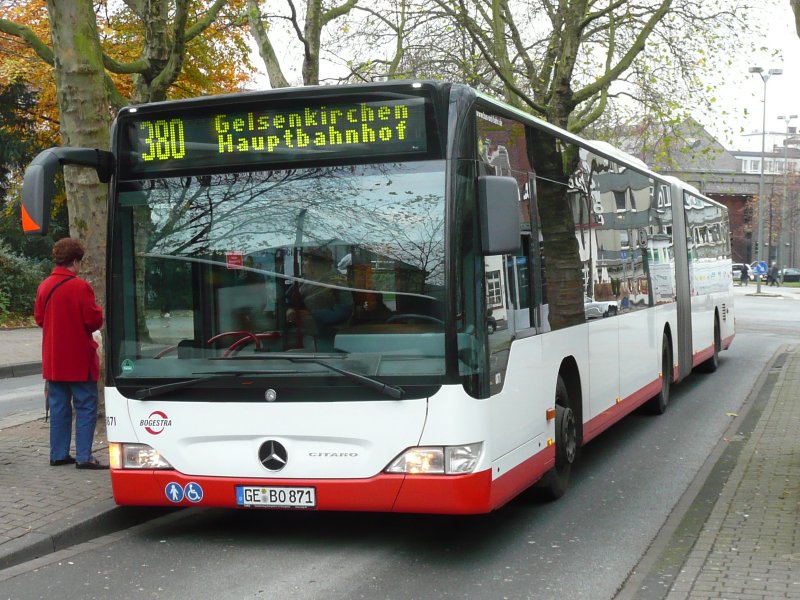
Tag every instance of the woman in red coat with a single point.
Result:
(67, 312)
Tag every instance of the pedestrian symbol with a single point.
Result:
(194, 493)
(174, 492)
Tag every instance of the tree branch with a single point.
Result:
(296, 25)
(27, 35)
(338, 11)
(625, 62)
(137, 66)
(265, 48)
(172, 69)
(202, 24)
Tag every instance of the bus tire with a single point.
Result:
(554, 483)
(658, 404)
(710, 365)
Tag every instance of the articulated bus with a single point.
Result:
(401, 296)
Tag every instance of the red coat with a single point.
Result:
(68, 351)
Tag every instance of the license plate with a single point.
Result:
(276, 497)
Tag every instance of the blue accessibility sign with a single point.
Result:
(193, 492)
(174, 492)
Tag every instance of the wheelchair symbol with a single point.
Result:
(193, 492)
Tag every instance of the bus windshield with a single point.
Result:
(252, 270)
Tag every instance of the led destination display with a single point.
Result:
(197, 138)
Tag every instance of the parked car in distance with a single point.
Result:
(596, 309)
(790, 274)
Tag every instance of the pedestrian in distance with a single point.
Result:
(744, 277)
(772, 275)
(68, 314)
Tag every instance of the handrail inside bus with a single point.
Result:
(284, 276)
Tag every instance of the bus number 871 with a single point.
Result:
(164, 139)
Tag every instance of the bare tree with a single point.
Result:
(317, 17)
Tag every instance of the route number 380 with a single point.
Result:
(164, 139)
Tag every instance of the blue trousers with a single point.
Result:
(62, 395)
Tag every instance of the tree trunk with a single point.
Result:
(265, 48)
(85, 120)
(156, 50)
(561, 255)
(312, 33)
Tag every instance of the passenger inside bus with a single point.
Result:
(369, 309)
(315, 310)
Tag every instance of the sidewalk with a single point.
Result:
(20, 352)
(750, 544)
(745, 543)
(736, 532)
(44, 509)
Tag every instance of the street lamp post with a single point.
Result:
(760, 239)
(785, 204)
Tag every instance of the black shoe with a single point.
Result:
(62, 461)
(92, 464)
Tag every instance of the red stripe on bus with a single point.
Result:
(446, 494)
(521, 477)
(703, 355)
(726, 343)
(593, 427)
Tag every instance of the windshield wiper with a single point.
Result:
(158, 390)
(392, 391)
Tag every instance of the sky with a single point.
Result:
(742, 92)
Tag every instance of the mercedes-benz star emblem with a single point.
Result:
(273, 455)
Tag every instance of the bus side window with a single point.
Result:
(519, 287)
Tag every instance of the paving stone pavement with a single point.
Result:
(749, 548)
(37, 498)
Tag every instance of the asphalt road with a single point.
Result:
(21, 395)
(582, 546)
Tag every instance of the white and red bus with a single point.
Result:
(402, 296)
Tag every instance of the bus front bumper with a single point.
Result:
(463, 494)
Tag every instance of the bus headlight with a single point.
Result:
(135, 456)
(437, 460)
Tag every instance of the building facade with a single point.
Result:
(733, 178)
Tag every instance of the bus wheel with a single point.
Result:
(658, 404)
(711, 364)
(555, 482)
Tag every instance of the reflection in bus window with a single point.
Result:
(627, 262)
(708, 241)
(235, 252)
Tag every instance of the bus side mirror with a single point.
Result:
(498, 207)
(38, 184)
